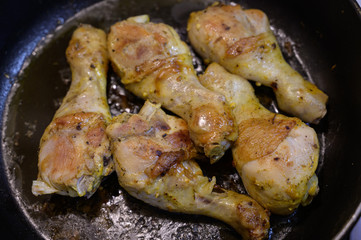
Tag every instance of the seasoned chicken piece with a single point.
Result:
(243, 43)
(153, 153)
(276, 156)
(74, 149)
(155, 64)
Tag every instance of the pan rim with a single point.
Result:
(8, 81)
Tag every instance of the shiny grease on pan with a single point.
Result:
(111, 213)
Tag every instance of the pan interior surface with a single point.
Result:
(307, 43)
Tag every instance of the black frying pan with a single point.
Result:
(321, 39)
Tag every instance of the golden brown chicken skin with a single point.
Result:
(276, 156)
(155, 64)
(74, 152)
(153, 159)
(242, 42)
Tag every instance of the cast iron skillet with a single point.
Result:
(321, 39)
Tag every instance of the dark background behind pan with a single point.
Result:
(328, 38)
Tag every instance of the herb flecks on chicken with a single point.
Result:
(276, 156)
(74, 151)
(155, 64)
(153, 159)
(242, 42)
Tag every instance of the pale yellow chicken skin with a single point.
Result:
(155, 64)
(276, 156)
(242, 42)
(153, 159)
(74, 152)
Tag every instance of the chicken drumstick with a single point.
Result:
(74, 149)
(153, 159)
(276, 156)
(155, 64)
(242, 42)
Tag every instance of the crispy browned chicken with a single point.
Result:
(74, 149)
(242, 42)
(153, 154)
(155, 64)
(276, 156)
